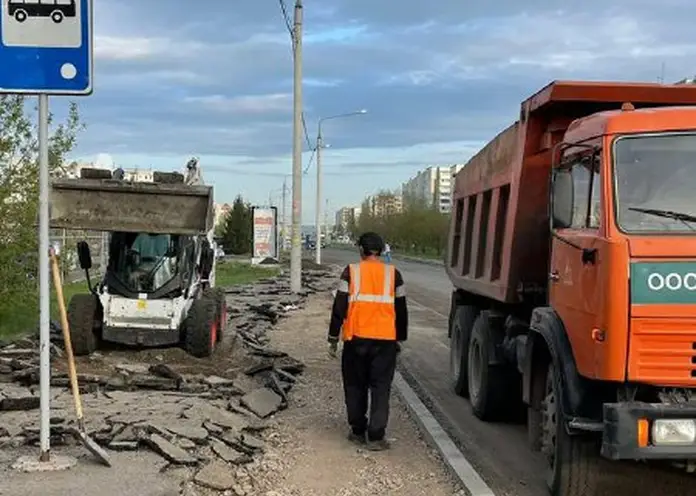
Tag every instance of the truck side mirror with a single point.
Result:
(84, 255)
(562, 199)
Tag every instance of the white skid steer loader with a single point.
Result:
(158, 288)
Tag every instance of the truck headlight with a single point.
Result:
(674, 431)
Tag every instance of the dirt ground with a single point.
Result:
(317, 457)
(305, 451)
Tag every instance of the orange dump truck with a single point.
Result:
(572, 251)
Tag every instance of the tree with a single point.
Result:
(418, 228)
(238, 225)
(19, 195)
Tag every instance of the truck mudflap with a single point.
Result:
(113, 205)
(649, 431)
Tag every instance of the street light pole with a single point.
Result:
(320, 146)
(317, 213)
(296, 249)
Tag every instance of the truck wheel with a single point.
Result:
(534, 409)
(201, 327)
(462, 322)
(84, 319)
(488, 384)
(573, 461)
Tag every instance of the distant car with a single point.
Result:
(220, 253)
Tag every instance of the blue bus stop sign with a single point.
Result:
(46, 46)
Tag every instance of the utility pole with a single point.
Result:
(282, 215)
(317, 214)
(296, 249)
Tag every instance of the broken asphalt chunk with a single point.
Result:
(19, 403)
(215, 476)
(169, 451)
(263, 402)
(229, 455)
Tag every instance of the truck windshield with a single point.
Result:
(656, 183)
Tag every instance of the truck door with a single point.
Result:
(573, 278)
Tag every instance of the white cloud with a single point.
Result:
(252, 104)
(139, 48)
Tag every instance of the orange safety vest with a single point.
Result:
(371, 312)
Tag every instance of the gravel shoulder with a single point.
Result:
(318, 458)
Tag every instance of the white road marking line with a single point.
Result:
(420, 306)
(452, 456)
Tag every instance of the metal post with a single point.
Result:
(102, 253)
(44, 290)
(317, 216)
(282, 214)
(296, 251)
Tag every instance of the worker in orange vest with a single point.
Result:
(370, 310)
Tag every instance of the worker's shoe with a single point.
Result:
(356, 438)
(378, 445)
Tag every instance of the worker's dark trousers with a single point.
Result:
(368, 366)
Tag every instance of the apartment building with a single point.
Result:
(221, 211)
(386, 204)
(433, 186)
(344, 216)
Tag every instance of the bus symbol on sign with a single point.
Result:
(57, 10)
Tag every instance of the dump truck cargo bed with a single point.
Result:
(112, 205)
(499, 234)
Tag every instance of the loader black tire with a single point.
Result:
(573, 460)
(221, 298)
(201, 326)
(462, 322)
(489, 385)
(85, 320)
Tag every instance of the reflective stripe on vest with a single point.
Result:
(356, 295)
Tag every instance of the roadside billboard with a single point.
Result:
(265, 233)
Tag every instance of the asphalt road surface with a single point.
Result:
(498, 451)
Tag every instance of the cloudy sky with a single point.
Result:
(438, 78)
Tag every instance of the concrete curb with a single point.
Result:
(438, 438)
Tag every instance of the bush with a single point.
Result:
(418, 229)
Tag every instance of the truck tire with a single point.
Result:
(462, 322)
(573, 461)
(488, 384)
(84, 319)
(201, 326)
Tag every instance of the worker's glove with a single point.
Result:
(398, 348)
(333, 349)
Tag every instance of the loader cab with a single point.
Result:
(154, 264)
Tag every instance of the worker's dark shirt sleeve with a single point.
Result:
(400, 307)
(340, 306)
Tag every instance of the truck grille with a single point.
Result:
(663, 352)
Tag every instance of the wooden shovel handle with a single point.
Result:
(72, 371)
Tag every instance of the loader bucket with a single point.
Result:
(111, 205)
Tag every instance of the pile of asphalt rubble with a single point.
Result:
(210, 423)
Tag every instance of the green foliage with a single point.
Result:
(236, 238)
(419, 229)
(19, 195)
(234, 273)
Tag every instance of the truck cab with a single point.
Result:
(623, 266)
